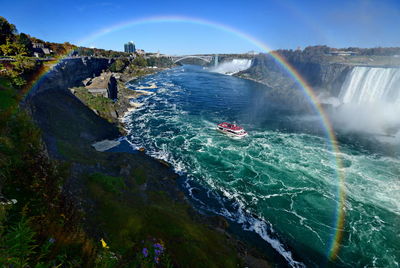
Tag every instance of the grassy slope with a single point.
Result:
(137, 215)
(30, 177)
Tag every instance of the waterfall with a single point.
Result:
(370, 98)
(371, 85)
(215, 60)
(233, 66)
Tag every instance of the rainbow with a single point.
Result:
(42, 72)
(339, 217)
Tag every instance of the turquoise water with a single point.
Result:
(279, 182)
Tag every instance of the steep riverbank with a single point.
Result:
(125, 198)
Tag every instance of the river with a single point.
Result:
(279, 182)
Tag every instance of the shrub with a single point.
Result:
(18, 245)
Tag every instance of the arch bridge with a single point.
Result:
(207, 59)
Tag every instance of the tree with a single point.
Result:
(24, 40)
(140, 61)
(23, 64)
(118, 65)
(20, 67)
(316, 50)
(7, 31)
(11, 48)
(160, 62)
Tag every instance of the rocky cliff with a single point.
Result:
(69, 73)
(60, 115)
(321, 74)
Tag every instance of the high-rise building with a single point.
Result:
(129, 47)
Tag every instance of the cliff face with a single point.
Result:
(321, 75)
(70, 73)
(63, 118)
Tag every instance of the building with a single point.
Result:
(342, 53)
(39, 50)
(130, 47)
(252, 52)
(37, 45)
(140, 52)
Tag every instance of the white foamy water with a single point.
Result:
(370, 101)
(232, 67)
(369, 85)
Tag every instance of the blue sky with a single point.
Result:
(276, 23)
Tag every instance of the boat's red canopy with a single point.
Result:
(230, 126)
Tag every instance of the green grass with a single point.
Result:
(7, 99)
(109, 183)
(73, 152)
(7, 94)
(140, 176)
(5, 83)
(35, 182)
(155, 214)
(104, 106)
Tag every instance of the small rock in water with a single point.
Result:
(165, 163)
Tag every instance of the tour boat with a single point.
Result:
(232, 130)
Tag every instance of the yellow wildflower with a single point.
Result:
(103, 243)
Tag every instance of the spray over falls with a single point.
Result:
(232, 67)
(370, 99)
